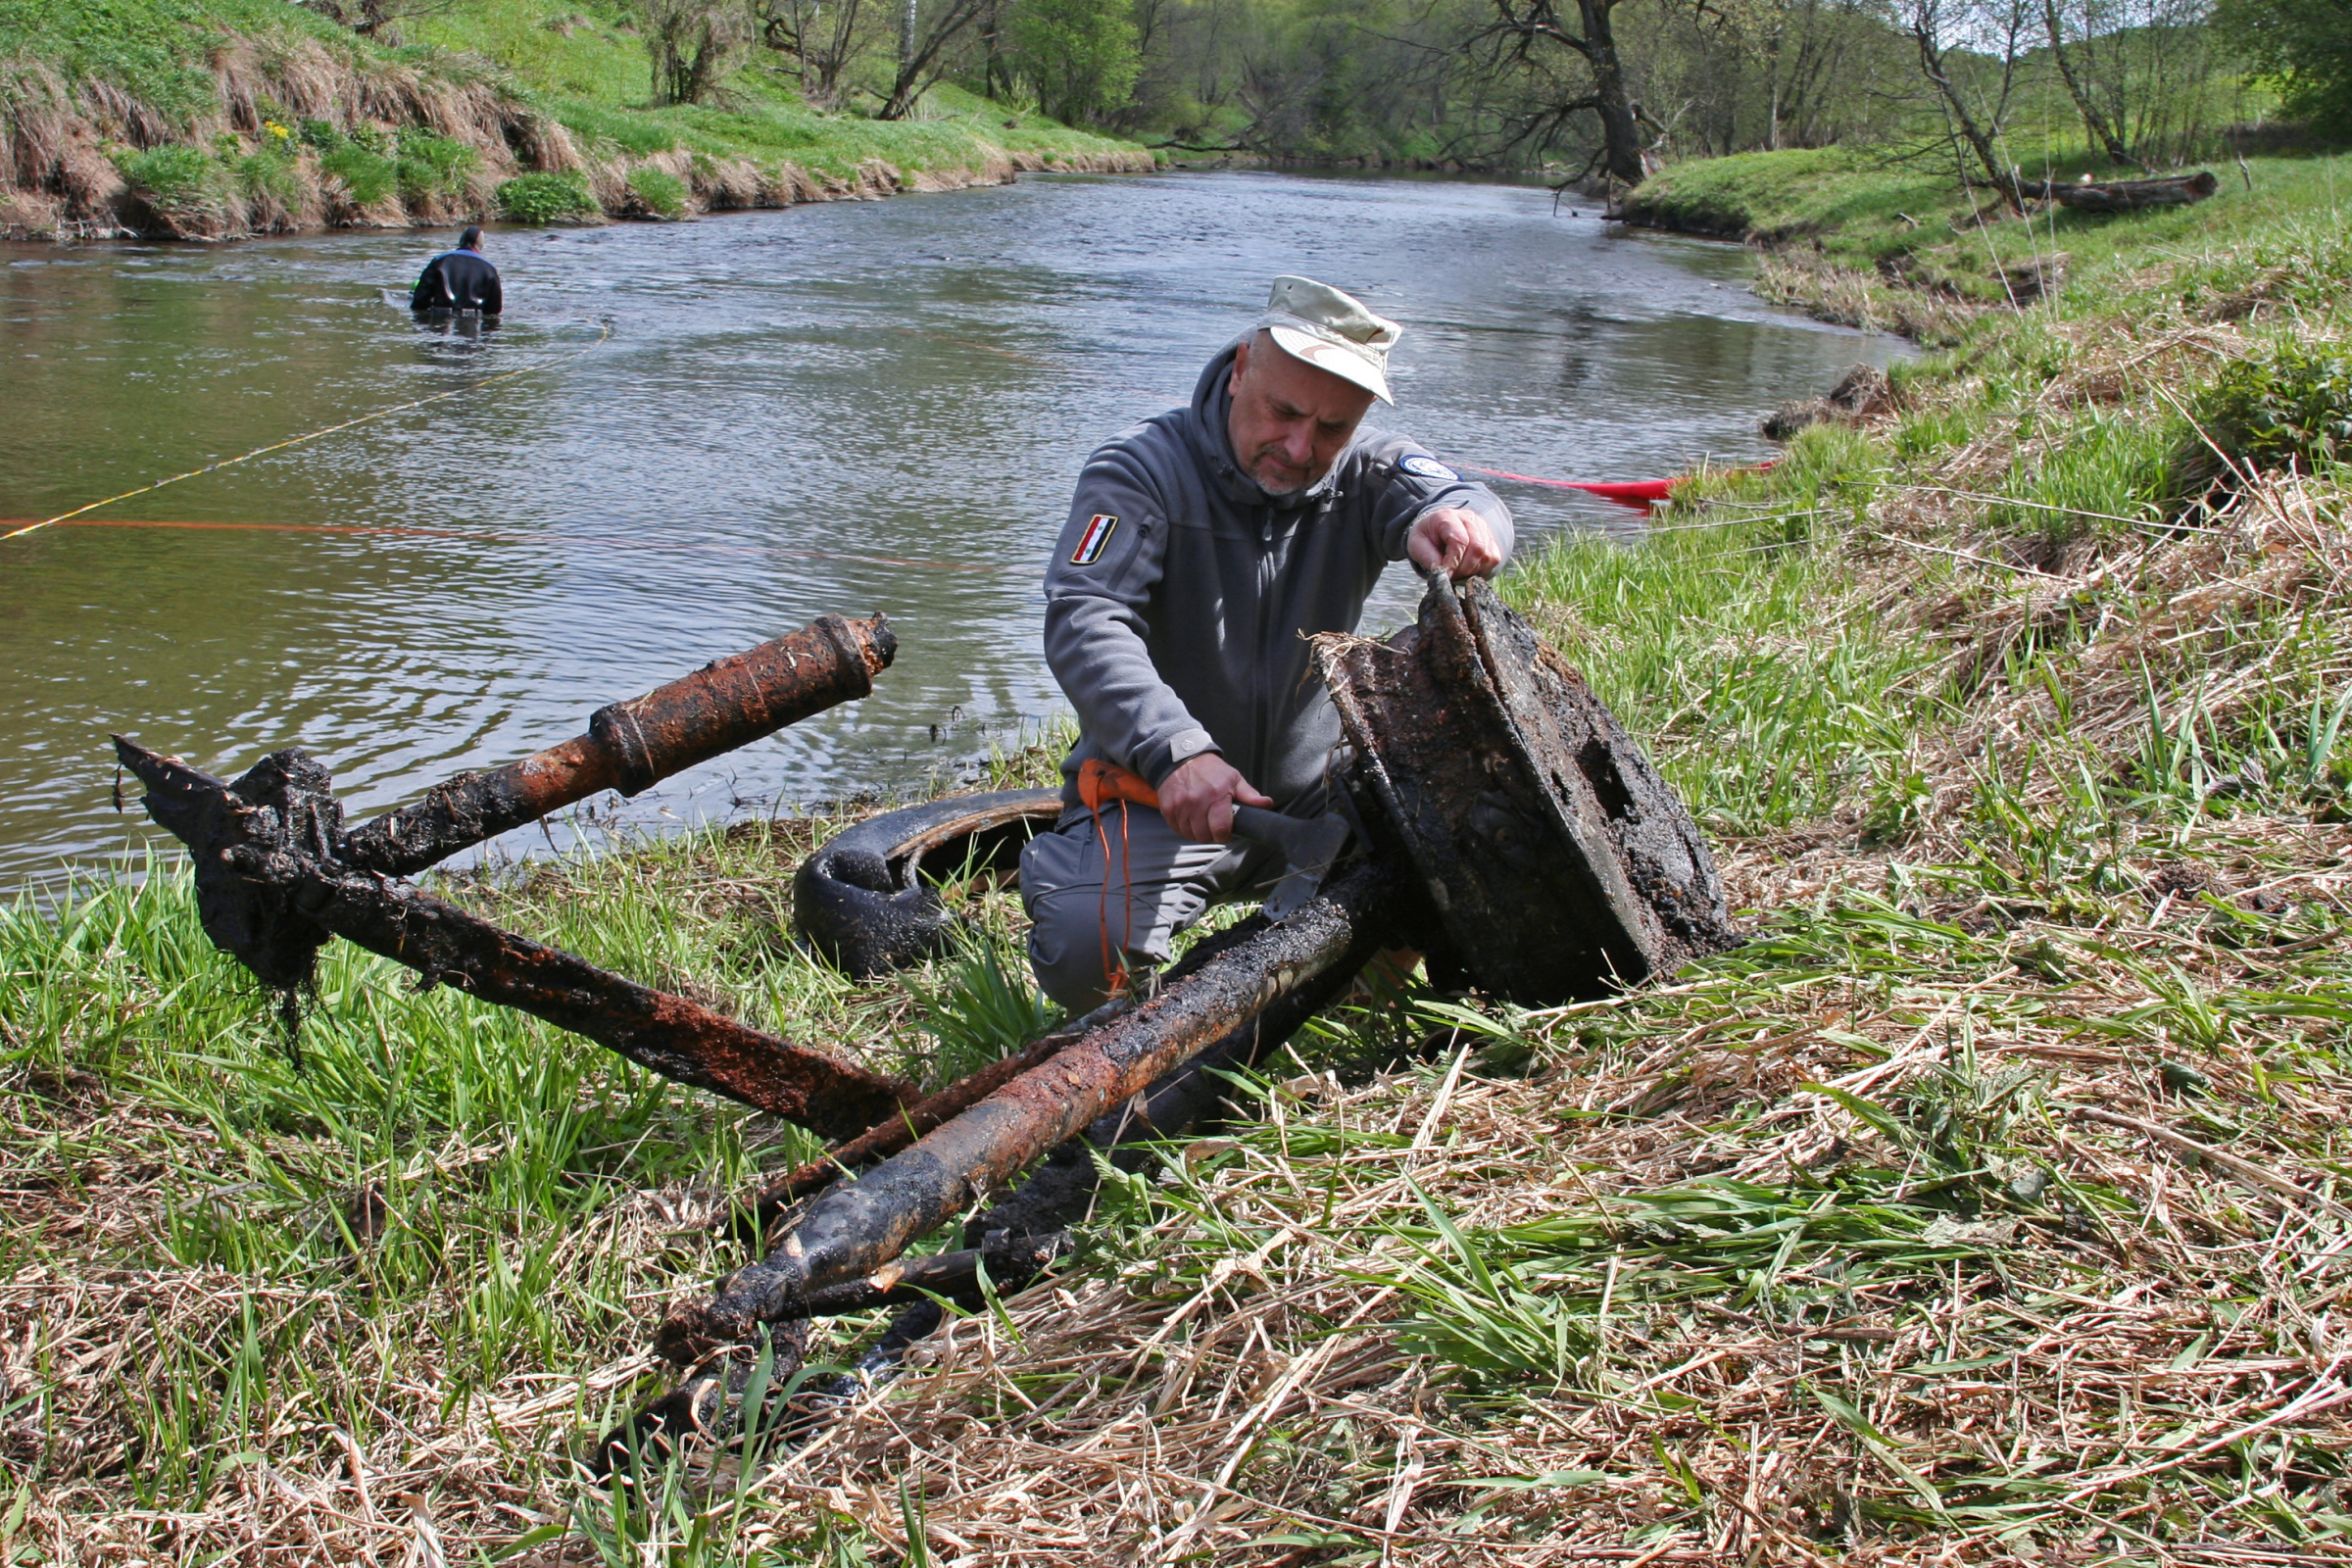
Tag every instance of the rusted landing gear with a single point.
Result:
(1515, 829)
(277, 874)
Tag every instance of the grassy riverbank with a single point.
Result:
(1863, 241)
(1989, 1205)
(212, 117)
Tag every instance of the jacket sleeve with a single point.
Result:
(494, 299)
(1104, 567)
(1402, 481)
(426, 294)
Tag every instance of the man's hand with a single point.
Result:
(1454, 540)
(1198, 799)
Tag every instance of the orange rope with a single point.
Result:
(1114, 975)
(604, 330)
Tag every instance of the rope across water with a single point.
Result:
(603, 333)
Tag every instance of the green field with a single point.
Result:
(1888, 243)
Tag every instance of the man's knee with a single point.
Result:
(1084, 934)
(1073, 964)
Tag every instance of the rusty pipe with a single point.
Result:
(856, 1227)
(630, 746)
(768, 1204)
(765, 1205)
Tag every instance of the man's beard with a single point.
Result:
(1258, 477)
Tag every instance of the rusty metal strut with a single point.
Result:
(855, 1228)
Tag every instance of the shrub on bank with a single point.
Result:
(430, 166)
(269, 175)
(660, 192)
(181, 185)
(546, 198)
(366, 173)
(2288, 408)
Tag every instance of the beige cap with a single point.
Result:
(1332, 332)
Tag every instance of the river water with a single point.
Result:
(724, 429)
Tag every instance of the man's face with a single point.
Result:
(1288, 420)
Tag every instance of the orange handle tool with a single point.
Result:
(1099, 783)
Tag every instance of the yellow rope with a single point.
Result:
(604, 330)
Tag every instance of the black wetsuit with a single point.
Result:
(458, 280)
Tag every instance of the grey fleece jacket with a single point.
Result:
(1181, 595)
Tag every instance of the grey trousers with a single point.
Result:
(1092, 915)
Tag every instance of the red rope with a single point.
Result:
(1640, 494)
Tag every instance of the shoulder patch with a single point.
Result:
(1421, 468)
(1090, 544)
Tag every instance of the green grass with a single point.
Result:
(1862, 211)
(156, 48)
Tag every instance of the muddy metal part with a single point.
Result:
(294, 884)
(276, 875)
(1513, 823)
(861, 899)
(855, 1227)
(632, 745)
(1556, 862)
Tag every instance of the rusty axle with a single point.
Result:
(631, 746)
(667, 1034)
(278, 876)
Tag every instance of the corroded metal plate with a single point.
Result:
(1556, 862)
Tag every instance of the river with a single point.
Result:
(722, 430)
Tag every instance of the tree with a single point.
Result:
(822, 37)
(929, 32)
(1952, 38)
(1528, 30)
(2140, 72)
(1082, 56)
(2305, 48)
(693, 45)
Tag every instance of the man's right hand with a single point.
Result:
(1199, 797)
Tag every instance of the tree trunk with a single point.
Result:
(1621, 139)
(1980, 138)
(2094, 119)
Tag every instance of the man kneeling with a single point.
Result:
(1202, 549)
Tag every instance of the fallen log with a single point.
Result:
(293, 886)
(2121, 195)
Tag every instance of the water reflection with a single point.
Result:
(842, 408)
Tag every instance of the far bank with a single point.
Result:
(1851, 236)
(225, 118)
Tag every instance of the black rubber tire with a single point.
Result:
(862, 902)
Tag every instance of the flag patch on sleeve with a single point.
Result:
(1091, 543)
(1421, 468)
